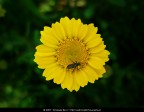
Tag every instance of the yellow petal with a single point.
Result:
(60, 75)
(71, 28)
(44, 49)
(75, 85)
(74, 26)
(48, 40)
(77, 24)
(102, 55)
(45, 54)
(82, 32)
(49, 72)
(93, 72)
(58, 31)
(98, 48)
(67, 82)
(65, 24)
(91, 33)
(43, 62)
(96, 62)
(94, 42)
(45, 59)
(47, 34)
(90, 74)
(100, 72)
(81, 78)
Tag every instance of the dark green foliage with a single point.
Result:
(121, 25)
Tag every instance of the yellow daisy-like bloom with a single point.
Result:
(72, 54)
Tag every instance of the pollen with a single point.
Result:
(72, 51)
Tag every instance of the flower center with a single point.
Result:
(72, 54)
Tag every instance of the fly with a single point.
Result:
(73, 65)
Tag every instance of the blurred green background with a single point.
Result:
(121, 24)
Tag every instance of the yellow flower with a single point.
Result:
(72, 54)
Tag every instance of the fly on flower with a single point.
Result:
(71, 53)
(73, 65)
